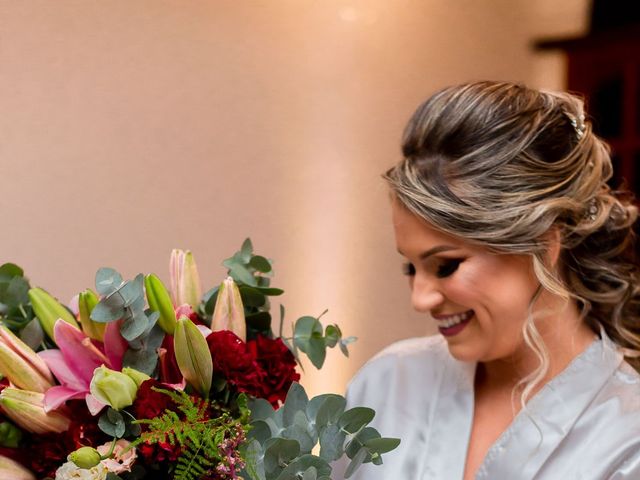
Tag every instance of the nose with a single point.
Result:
(425, 294)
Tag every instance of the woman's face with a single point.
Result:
(479, 300)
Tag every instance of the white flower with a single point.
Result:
(69, 471)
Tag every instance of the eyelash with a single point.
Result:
(446, 269)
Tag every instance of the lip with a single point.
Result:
(450, 315)
(456, 329)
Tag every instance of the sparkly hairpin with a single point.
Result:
(577, 123)
(592, 210)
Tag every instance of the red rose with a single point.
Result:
(233, 361)
(279, 365)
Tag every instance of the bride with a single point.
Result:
(524, 258)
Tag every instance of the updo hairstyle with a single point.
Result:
(499, 165)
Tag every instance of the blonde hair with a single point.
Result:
(499, 165)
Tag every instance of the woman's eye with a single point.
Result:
(447, 267)
(408, 269)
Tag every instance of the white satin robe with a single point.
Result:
(584, 424)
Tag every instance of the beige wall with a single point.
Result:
(129, 128)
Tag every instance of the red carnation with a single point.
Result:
(278, 363)
(233, 361)
(150, 403)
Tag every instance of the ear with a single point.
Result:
(553, 239)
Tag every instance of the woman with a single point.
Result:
(524, 257)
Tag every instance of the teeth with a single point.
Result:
(455, 319)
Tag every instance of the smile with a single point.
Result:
(447, 322)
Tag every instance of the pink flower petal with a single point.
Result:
(81, 356)
(94, 405)
(114, 345)
(56, 396)
(57, 364)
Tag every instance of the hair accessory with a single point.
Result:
(577, 123)
(592, 210)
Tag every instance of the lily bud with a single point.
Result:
(21, 365)
(11, 469)
(112, 388)
(160, 301)
(85, 457)
(193, 356)
(185, 281)
(48, 310)
(135, 375)
(27, 410)
(229, 311)
(86, 301)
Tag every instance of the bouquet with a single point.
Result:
(138, 381)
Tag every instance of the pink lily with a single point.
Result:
(75, 360)
(184, 279)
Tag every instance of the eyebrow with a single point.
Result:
(433, 251)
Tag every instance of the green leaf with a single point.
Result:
(260, 409)
(32, 334)
(332, 443)
(310, 474)
(252, 454)
(261, 264)
(107, 281)
(272, 292)
(332, 335)
(330, 410)
(354, 419)
(246, 250)
(106, 311)
(363, 436)
(10, 270)
(295, 401)
(240, 274)
(17, 292)
(317, 352)
(260, 431)
(357, 460)
(251, 297)
(144, 361)
(112, 423)
(278, 452)
(300, 465)
(382, 445)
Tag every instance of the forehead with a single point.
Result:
(416, 234)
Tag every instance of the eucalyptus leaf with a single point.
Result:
(107, 281)
(260, 409)
(105, 312)
(261, 264)
(354, 419)
(144, 361)
(316, 351)
(332, 443)
(246, 250)
(332, 335)
(254, 467)
(272, 292)
(302, 464)
(296, 401)
(330, 410)
(260, 431)
(359, 440)
(17, 291)
(10, 270)
(310, 474)
(32, 334)
(382, 445)
(251, 297)
(278, 452)
(133, 327)
(240, 274)
(356, 461)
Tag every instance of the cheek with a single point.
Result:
(493, 285)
